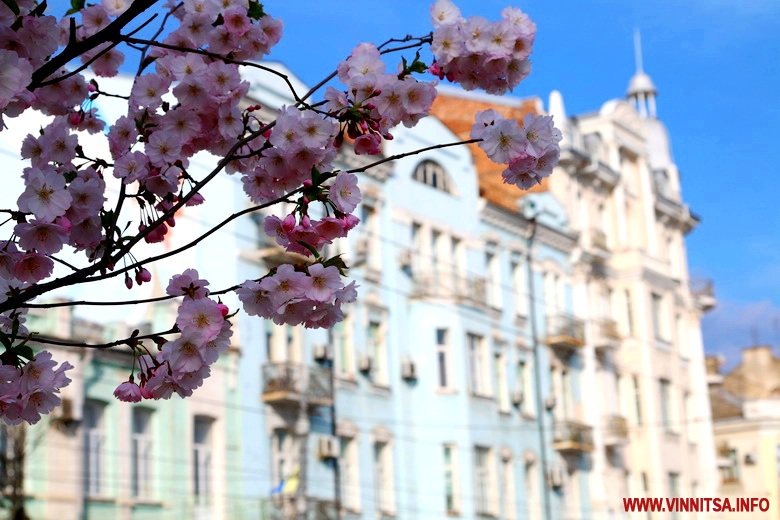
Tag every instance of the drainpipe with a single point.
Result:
(537, 372)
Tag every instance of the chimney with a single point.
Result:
(713, 365)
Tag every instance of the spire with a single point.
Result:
(638, 51)
(641, 90)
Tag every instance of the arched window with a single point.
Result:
(433, 174)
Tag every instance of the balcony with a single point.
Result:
(598, 240)
(607, 338)
(295, 384)
(703, 291)
(572, 437)
(291, 507)
(564, 332)
(471, 290)
(615, 430)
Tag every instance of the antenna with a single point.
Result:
(638, 50)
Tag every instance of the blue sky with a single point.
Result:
(714, 63)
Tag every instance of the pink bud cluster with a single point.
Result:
(182, 364)
(479, 54)
(530, 150)
(31, 391)
(311, 296)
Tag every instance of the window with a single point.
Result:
(508, 493)
(502, 386)
(533, 496)
(656, 309)
(142, 455)
(629, 314)
(637, 400)
(94, 452)
(484, 491)
(478, 366)
(674, 489)
(376, 349)
(370, 222)
(383, 477)
(526, 380)
(284, 343)
(493, 269)
(442, 358)
(730, 474)
(341, 339)
(350, 473)
(451, 483)
(201, 459)
(519, 289)
(433, 174)
(284, 456)
(666, 405)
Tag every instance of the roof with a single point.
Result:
(641, 83)
(457, 111)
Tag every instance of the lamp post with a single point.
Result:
(537, 365)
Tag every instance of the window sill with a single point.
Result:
(453, 512)
(101, 499)
(484, 397)
(528, 416)
(446, 391)
(147, 502)
(383, 388)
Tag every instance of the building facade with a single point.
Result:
(511, 355)
(746, 423)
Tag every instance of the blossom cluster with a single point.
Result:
(181, 365)
(29, 392)
(530, 150)
(376, 101)
(311, 296)
(186, 98)
(479, 54)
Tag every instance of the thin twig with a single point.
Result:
(125, 341)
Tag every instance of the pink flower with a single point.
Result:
(255, 299)
(344, 192)
(148, 91)
(33, 267)
(324, 282)
(503, 141)
(131, 167)
(188, 284)
(285, 284)
(521, 171)
(201, 317)
(15, 75)
(211, 350)
(44, 237)
(184, 353)
(368, 144)
(540, 134)
(45, 195)
(128, 392)
(236, 20)
(162, 149)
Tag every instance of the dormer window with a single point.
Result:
(434, 175)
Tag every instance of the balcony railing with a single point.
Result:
(703, 291)
(565, 332)
(295, 384)
(607, 336)
(572, 437)
(615, 430)
(291, 507)
(465, 290)
(598, 239)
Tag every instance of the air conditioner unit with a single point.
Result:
(408, 370)
(321, 353)
(517, 397)
(327, 447)
(555, 477)
(365, 363)
(549, 403)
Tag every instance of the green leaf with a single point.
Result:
(15, 328)
(5, 340)
(310, 248)
(24, 351)
(75, 6)
(11, 4)
(255, 10)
